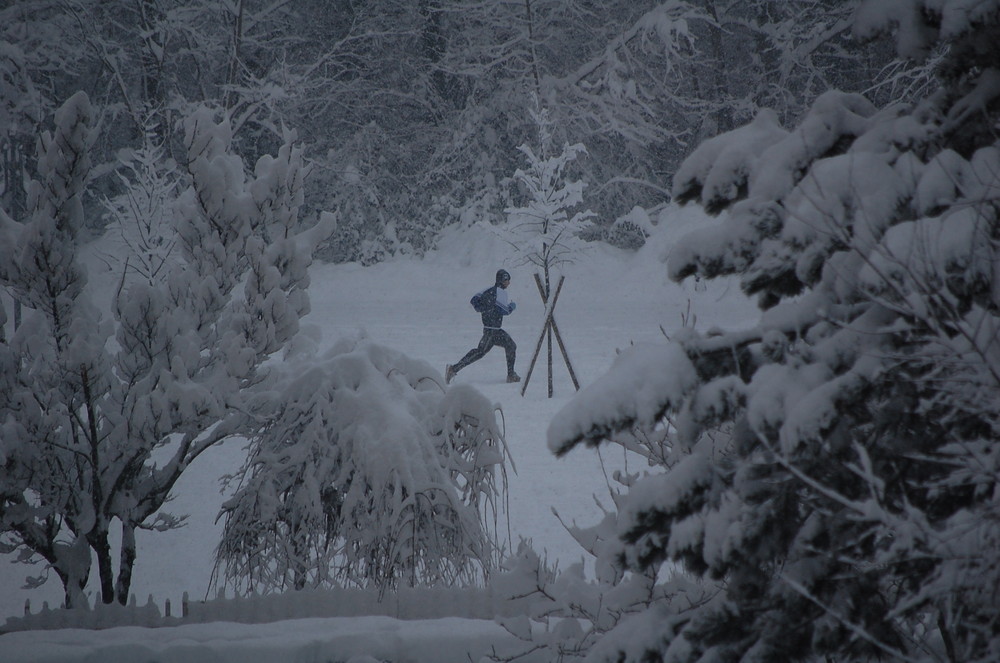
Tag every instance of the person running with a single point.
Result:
(494, 305)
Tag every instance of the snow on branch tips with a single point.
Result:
(644, 382)
(823, 472)
(545, 229)
(717, 172)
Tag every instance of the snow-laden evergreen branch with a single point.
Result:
(826, 474)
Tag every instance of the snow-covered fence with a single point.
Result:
(406, 603)
(98, 617)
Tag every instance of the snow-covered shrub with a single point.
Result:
(562, 615)
(831, 471)
(630, 230)
(365, 472)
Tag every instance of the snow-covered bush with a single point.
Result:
(87, 402)
(630, 230)
(561, 615)
(366, 472)
(832, 471)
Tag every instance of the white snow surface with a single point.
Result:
(351, 640)
(611, 300)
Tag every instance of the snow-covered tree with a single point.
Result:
(89, 401)
(142, 217)
(366, 473)
(830, 472)
(506, 56)
(48, 362)
(545, 229)
(367, 200)
(563, 615)
(361, 86)
(425, 98)
(637, 82)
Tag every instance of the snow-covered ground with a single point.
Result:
(347, 640)
(610, 299)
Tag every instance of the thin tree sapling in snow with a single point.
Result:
(545, 230)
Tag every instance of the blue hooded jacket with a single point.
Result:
(496, 303)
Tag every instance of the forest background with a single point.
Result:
(409, 113)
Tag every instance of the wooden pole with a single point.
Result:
(548, 337)
(541, 337)
(562, 348)
(549, 329)
(534, 357)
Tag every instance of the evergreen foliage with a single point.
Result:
(830, 473)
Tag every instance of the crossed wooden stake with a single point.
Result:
(549, 329)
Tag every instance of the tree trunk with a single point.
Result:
(534, 55)
(73, 568)
(73, 595)
(949, 643)
(548, 341)
(233, 75)
(126, 564)
(14, 196)
(299, 556)
(718, 71)
(151, 68)
(99, 543)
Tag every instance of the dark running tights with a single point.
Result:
(491, 338)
